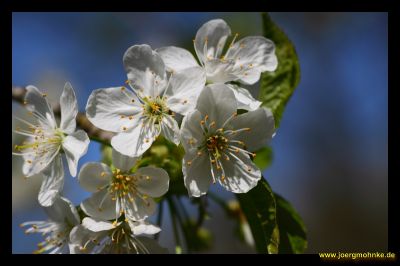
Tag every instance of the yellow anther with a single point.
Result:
(189, 163)
(212, 161)
(253, 154)
(122, 116)
(122, 88)
(103, 174)
(218, 167)
(127, 81)
(147, 177)
(249, 169)
(114, 224)
(131, 117)
(25, 102)
(202, 122)
(237, 150)
(127, 178)
(29, 161)
(124, 128)
(113, 198)
(205, 117)
(184, 102)
(242, 45)
(222, 178)
(250, 65)
(100, 209)
(247, 129)
(44, 95)
(146, 140)
(227, 157)
(199, 153)
(212, 124)
(133, 100)
(144, 196)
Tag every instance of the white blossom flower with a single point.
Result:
(219, 143)
(138, 115)
(41, 150)
(62, 218)
(97, 236)
(243, 61)
(120, 191)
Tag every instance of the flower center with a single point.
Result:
(123, 189)
(220, 145)
(122, 185)
(41, 142)
(216, 144)
(155, 108)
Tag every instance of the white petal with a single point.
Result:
(170, 129)
(191, 132)
(144, 66)
(152, 245)
(135, 142)
(261, 124)
(253, 55)
(96, 225)
(197, 175)
(143, 227)
(140, 209)
(78, 237)
(63, 211)
(241, 174)
(75, 146)
(110, 109)
(185, 88)
(37, 103)
(69, 109)
(94, 176)
(123, 162)
(53, 182)
(154, 181)
(215, 32)
(220, 71)
(218, 102)
(99, 205)
(176, 59)
(244, 98)
(36, 164)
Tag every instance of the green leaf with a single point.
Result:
(263, 157)
(277, 87)
(258, 205)
(292, 231)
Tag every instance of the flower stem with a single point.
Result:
(178, 245)
(159, 218)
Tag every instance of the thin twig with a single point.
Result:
(159, 218)
(94, 133)
(178, 244)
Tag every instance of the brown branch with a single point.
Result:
(94, 133)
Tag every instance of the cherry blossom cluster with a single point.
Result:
(201, 105)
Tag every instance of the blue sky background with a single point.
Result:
(330, 152)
